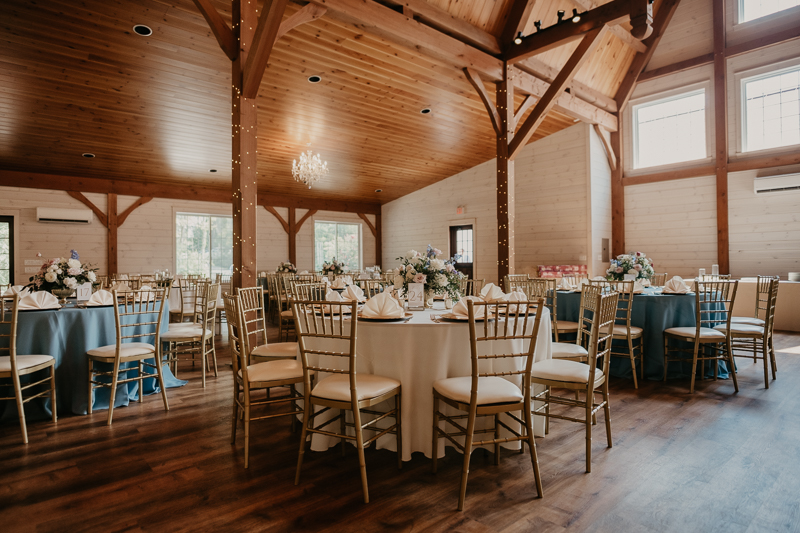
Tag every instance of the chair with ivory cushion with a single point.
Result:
(138, 320)
(324, 328)
(188, 292)
(713, 302)
(623, 331)
(224, 282)
(757, 338)
(762, 302)
(566, 374)
(13, 366)
(254, 325)
(285, 318)
(495, 345)
(250, 378)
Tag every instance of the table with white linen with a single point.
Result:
(417, 353)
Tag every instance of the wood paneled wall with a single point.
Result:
(599, 182)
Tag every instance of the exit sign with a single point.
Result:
(460, 210)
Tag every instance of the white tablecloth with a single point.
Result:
(417, 353)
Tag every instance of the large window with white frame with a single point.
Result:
(203, 244)
(771, 110)
(339, 240)
(670, 130)
(755, 9)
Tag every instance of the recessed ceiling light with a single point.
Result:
(88, 155)
(425, 111)
(378, 190)
(315, 79)
(141, 29)
(212, 170)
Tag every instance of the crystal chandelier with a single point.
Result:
(311, 168)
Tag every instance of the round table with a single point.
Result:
(417, 353)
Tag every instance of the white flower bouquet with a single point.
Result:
(438, 275)
(286, 268)
(634, 263)
(62, 273)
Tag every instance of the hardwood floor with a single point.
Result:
(712, 461)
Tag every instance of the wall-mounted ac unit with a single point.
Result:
(63, 216)
(782, 183)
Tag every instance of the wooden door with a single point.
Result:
(461, 243)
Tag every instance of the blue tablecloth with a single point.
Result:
(67, 334)
(653, 312)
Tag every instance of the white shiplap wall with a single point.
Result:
(688, 35)
(599, 226)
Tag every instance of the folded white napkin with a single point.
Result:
(564, 285)
(150, 296)
(460, 309)
(17, 289)
(304, 272)
(39, 300)
(101, 298)
(516, 296)
(353, 292)
(333, 296)
(645, 282)
(637, 287)
(348, 279)
(339, 283)
(120, 287)
(676, 286)
(491, 293)
(382, 305)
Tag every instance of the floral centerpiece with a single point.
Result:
(634, 263)
(438, 275)
(286, 268)
(62, 274)
(333, 267)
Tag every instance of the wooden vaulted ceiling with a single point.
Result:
(75, 78)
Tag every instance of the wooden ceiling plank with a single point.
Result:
(548, 100)
(220, 29)
(618, 31)
(305, 15)
(88, 203)
(269, 22)
(475, 80)
(517, 19)
(660, 23)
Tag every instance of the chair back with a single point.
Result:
(234, 319)
(191, 292)
(103, 281)
(138, 316)
(471, 287)
(543, 288)
(318, 320)
(252, 319)
(572, 280)
(224, 282)
(302, 278)
(590, 298)
(311, 290)
(371, 287)
(714, 277)
(599, 328)
(769, 308)
(513, 277)
(714, 302)
(658, 280)
(763, 290)
(8, 328)
(205, 313)
(625, 302)
(501, 322)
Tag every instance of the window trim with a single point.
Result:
(12, 263)
(662, 96)
(175, 213)
(753, 74)
(337, 222)
(739, 11)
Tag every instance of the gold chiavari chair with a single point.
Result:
(471, 287)
(713, 301)
(197, 337)
(272, 292)
(188, 292)
(309, 291)
(4, 287)
(487, 393)
(622, 327)
(254, 325)
(224, 282)
(519, 285)
(658, 280)
(575, 281)
(757, 338)
(513, 277)
(372, 287)
(547, 288)
(763, 289)
(322, 326)
(565, 374)
(13, 366)
(250, 378)
(285, 319)
(138, 318)
(578, 351)
(714, 277)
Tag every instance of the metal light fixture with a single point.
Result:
(561, 14)
(538, 25)
(575, 16)
(518, 38)
(311, 168)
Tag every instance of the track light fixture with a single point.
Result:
(538, 25)
(561, 14)
(575, 16)
(518, 38)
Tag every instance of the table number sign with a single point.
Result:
(630, 277)
(416, 295)
(84, 292)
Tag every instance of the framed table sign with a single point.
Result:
(416, 296)
(84, 292)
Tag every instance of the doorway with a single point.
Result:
(6, 250)
(461, 243)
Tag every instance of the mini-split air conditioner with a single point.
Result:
(63, 216)
(773, 184)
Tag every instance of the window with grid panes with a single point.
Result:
(771, 110)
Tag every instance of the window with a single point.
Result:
(337, 240)
(754, 9)
(771, 110)
(203, 244)
(670, 130)
(6, 250)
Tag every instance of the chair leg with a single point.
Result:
(435, 432)
(399, 421)
(589, 431)
(694, 366)
(465, 465)
(362, 463)
(607, 413)
(641, 358)
(204, 362)
(765, 352)
(547, 411)
(666, 356)
(141, 380)
(342, 429)
(772, 358)
(53, 391)
(113, 396)
(306, 408)
(91, 389)
(731, 363)
(20, 408)
(633, 362)
(160, 373)
(532, 449)
(235, 412)
(496, 436)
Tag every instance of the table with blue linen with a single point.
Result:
(654, 312)
(67, 334)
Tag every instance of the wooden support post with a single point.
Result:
(617, 199)
(113, 224)
(378, 241)
(505, 175)
(293, 235)
(244, 184)
(721, 136)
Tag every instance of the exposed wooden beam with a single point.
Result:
(135, 205)
(614, 12)
(605, 138)
(308, 13)
(305, 217)
(372, 229)
(378, 241)
(292, 235)
(517, 19)
(769, 161)
(278, 216)
(624, 35)
(721, 136)
(269, 22)
(540, 69)
(523, 107)
(548, 101)
(475, 80)
(684, 173)
(506, 208)
(770, 39)
(443, 21)
(223, 34)
(113, 225)
(680, 66)
(88, 203)
(617, 199)
(640, 60)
